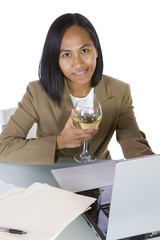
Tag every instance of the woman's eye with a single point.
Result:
(66, 55)
(84, 50)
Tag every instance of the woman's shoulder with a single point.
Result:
(114, 82)
(114, 86)
(36, 87)
(35, 92)
(35, 84)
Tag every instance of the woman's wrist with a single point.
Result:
(58, 142)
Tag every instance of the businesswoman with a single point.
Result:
(71, 68)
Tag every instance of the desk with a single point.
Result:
(23, 175)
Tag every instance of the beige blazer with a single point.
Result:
(36, 106)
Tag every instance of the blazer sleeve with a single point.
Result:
(14, 147)
(133, 141)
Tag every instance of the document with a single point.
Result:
(40, 210)
(4, 187)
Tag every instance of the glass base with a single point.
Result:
(84, 158)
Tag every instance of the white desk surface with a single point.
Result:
(23, 175)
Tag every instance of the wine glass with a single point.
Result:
(87, 114)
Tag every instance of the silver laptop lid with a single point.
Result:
(135, 203)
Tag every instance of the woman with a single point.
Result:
(70, 69)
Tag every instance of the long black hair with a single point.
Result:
(50, 74)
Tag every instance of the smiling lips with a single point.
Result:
(80, 74)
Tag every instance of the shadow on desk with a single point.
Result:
(23, 175)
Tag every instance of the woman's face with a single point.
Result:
(77, 58)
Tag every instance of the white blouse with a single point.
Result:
(89, 96)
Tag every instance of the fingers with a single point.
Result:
(85, 134)
(72, 137)
(91, 131)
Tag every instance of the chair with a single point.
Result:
(5, 115)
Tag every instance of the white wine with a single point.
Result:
(87, 114)
(87, 121)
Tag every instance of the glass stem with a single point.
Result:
(86, 146)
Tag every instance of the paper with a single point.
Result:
(76, 179)
(4, 187)
(40, 210)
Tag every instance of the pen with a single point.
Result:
(11, 230)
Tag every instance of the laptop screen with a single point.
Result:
(130, 210)
(135, 202)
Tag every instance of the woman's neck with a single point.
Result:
(79, 91)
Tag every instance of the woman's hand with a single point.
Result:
(72, 137)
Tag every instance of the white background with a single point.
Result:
(129, 32)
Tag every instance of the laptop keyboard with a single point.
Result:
(98, 215)
(105, 208)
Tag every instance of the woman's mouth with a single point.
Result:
(80, 74)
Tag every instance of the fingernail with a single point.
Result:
(72, 111)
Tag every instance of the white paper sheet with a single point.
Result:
(4, 187)
(85, 177)
(40, 210)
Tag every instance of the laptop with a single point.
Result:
(130, 209)
(127, 192)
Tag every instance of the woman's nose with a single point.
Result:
(77, 60)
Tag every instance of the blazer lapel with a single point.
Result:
(61, 113)
(108, 107)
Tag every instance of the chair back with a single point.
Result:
(5, 115)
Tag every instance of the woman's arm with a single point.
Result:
(14, 147)
(129, 136)
(35, 107)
